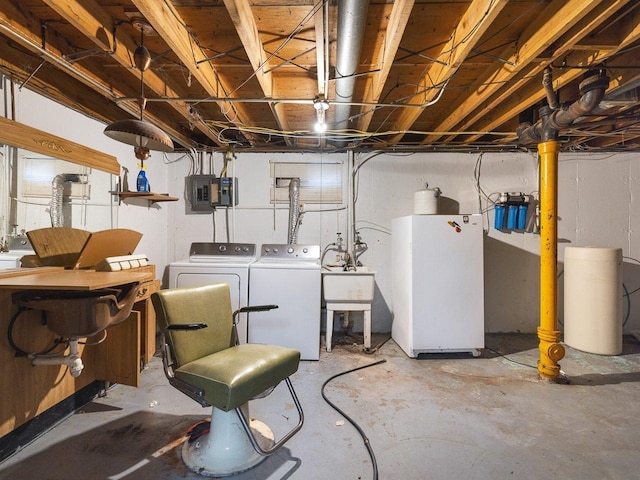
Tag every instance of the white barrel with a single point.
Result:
(593, 299)
(425, 202)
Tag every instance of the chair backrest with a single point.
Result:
(208, 304)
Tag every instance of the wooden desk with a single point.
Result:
(55, 278)
(30, 391)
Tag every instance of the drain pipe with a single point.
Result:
(71, 360)
(545, 134)
(352, 20)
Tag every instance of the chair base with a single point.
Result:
(226, 449)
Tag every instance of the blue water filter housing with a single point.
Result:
(512, 216)
(522, 217)
(498, 220)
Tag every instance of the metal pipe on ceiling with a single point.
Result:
(352, 19)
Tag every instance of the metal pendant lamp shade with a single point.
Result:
(142, 135)
(139, 134)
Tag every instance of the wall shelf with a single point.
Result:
(150, 196)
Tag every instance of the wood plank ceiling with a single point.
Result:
(243, 74)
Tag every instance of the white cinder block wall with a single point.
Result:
(597, 207)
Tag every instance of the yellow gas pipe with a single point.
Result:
(551, 351)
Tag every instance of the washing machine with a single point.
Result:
(218, 263)
(288, 276)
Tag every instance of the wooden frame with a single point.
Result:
(23, 136)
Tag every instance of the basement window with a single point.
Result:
(38, 174)
(320, 182)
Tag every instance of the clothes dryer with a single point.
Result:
(288, 276)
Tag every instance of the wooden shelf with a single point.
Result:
(150, 196)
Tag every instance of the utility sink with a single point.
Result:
(350, 286)
(75, 314)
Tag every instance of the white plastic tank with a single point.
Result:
(593, 299)
(425, 202)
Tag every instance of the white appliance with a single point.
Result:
(288, 276)
(218, 263)
(438, 283)
(11, 259)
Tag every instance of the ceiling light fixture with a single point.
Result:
(141, 134)
(321, 105)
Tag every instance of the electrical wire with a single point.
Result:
(349, 419)
(510, 359)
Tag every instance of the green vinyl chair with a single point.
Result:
(202, 359)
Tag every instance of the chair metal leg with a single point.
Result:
(245, 423)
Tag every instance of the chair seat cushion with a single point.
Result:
(231, 377)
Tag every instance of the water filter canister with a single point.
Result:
(512, 217)
(498, 220)
(522, 217)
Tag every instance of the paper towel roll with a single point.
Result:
(593, 299)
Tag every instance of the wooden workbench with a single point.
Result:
(29, 391)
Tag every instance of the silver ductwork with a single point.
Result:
(352, 20)
(294, 211)
(57, 197)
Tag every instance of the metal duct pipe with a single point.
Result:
(352, 19)
(57, 197)
(294, 210)
(592, 90)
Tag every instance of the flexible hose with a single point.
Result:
(19, 351)
(349, 419)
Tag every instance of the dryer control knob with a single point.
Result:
(290, 250)
(305, 250)
(222, 248)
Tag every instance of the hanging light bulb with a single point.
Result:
(321, 105)
(142, 135)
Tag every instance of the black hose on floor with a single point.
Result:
(349, 419)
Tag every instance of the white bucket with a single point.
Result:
(425, 202)
(593, 299)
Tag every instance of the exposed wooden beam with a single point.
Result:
(557, 19)
(98, 26)
(171, 27)
(245, 23)
(474, 23)
(383, 55)
(508, 104)
(11, 25)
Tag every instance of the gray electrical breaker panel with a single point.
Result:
(224, 192)
(200, 188)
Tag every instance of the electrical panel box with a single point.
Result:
(224, 192)
(200, 188)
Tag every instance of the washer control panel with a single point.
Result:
(222, 250)
(290, 252)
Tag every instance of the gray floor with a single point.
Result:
(433, 418)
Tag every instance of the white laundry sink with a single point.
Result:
(351, 286)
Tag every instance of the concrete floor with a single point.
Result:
(443, 417)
